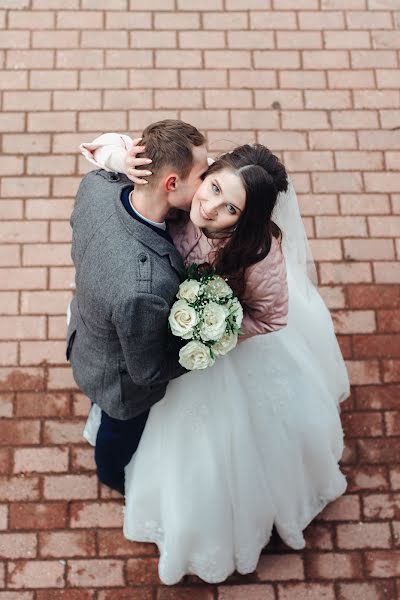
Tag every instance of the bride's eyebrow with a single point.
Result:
(220, 187)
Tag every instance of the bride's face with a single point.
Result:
(219, 201)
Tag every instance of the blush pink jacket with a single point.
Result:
(265, 301)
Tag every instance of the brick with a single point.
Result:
(368, 20)
(389, 118)
(14, 80)
(381, 182)
(65, 432)
(384, 226)
(70, 487)
(288, 59)
(242, 119)
(6, 410)
(79, 59)
(23, 327)
(42, 405)
(93, 120)
(347, 39)
(339, 181)
(333, 296)
(9, 255)
(95, 573)
(62, 278)
(46, 254)
(142, 571)
(184, 99)
(113, 543)
(40, 460)
(104, 39)
(307, 120)
(385, 39)
(8, 353)
(60, 231)
(332, 140)
(17, 433)
(326, 249)
(158, 39)
(330, 226)
(392, 423)
(87, 20)
(115, 78)
(59, 80)
(237, 59)
(388, 321)
(306, 591)
(373, 296)
(59, 544)
(228, 21)
(12, 122)
(158, 5)
(383, 563)
(60, 379)
(379, 249)
(283, 140)
(14, 39)
(3, 521)
(200, 39)
(392, 161)
(375, 452)
(367, 477)
(247, 4)
(362, 321)
(54, 121)
(299, 40)
(28, 515)
(160, 78)
(326, 59)
(68, 100)
(213, 119)
(96, 514)
(176, 58)
(49, 302)
(50, 209)
(361, 424)
(363, 372)
(82, 459)
(386, 272)
(364, 204)
(273, 20)
(21, 378)
(135, 593)
(35, 574)
(280, 567)
(391, 371)
(227, 99)
(360, 160)
(351, 79)
(15, 231)
(278, 99)
(328, 99)
(15, 489)
(25, 59)
(334, 565)
(11, 209)
(292, 4)
(49, 4)
(364, 59)
(26, 143)
(241, 78)
(376, 98)
(54, 39)
(321, 20)
(25, 186)
(5, 468)
(308, 161)
(366, 591)
(18, 545)
(8, 303)
(181, 20)
(355, 119)
(377, 398)
(128, 99)
(302, 79)
(319, 537)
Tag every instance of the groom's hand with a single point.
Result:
(132, 162)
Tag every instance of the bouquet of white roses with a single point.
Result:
(208, 313)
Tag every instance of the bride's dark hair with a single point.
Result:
(263, 177)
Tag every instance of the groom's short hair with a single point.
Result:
(169, 143)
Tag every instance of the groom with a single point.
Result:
(127, 274)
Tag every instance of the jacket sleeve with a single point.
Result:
(141, 323)
(265, 302)
(108, 151)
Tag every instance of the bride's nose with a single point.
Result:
(212, 206)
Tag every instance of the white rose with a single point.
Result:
(225, 344)
(189, 290)
(214, 322)
(182, 319)
(218, 287)
(235, 308)
(195, 355)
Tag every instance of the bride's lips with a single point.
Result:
(204, 214)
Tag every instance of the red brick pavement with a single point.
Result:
(316, 80)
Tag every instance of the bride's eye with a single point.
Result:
(215, 188)
(231, 209)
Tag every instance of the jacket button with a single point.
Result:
(143, 259)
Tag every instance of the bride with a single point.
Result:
(255, 440)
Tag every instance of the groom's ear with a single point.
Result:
(170, 183)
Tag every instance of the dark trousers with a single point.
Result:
(116, 443)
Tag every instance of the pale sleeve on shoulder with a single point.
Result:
(108, 151)
(265, 302)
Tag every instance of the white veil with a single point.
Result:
(296, 249)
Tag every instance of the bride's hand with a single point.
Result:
(132, 163)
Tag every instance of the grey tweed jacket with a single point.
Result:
(126, 280)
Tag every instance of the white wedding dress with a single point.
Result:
(252, 442)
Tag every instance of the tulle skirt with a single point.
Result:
(252, 442)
